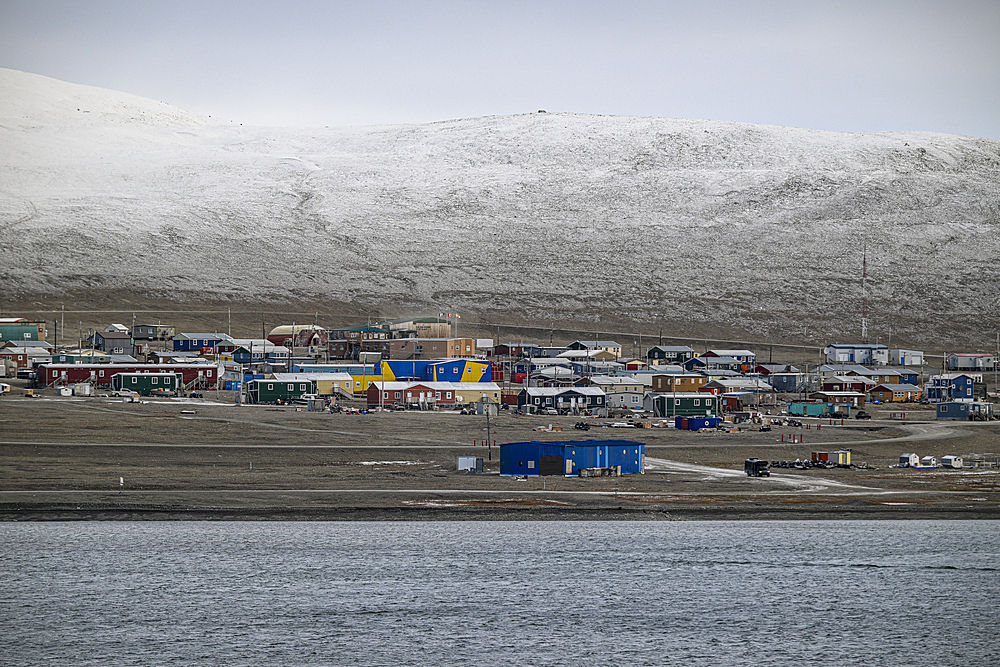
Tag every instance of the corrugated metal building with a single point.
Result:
(568, 457)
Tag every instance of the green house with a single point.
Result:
(82, 357)
(145, 383)
(273, 391)
(687, 404)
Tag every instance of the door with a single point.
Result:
(550, 465)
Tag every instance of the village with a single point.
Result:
(421, 364)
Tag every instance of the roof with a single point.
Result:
(850, 378)
(613, 379)
(843, 368)
(897, 387)
(555, 391)
(729, 353)
(597, 343)
(286, 329)
(858, 346)
(740, 383)
(199, 336)
(26, 343)
(724, 360)
(122, 335)
(292, 377)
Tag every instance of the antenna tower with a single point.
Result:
(864, 293)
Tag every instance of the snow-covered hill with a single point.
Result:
(545, 215)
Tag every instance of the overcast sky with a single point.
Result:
(847, 66)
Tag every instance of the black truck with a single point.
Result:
(756, 468)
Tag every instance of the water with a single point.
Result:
(485, 593)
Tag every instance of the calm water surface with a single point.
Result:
(485, 593)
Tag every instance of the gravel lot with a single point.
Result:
(66, 458)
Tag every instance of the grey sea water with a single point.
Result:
(489, 593)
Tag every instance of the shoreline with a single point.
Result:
(49, 512)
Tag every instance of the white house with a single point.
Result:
(860, 353)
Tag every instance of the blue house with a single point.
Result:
(568, 457)
(950, 387)
(199, 341)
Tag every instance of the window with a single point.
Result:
(697, 401)
(447, 394)
(397, 394)
(270, 386)
(157, 380)
(531, 464)
(135, 380)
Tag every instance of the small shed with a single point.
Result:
(952, 462)
(695, 423)
(841, 457)
(909, 460)
(569, 457)
(470, 463)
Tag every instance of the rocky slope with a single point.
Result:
(542, 215)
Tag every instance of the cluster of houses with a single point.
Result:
(422, 363)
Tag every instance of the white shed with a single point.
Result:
(952, 461)
(928, 462)
(470, 463)
(909, 460)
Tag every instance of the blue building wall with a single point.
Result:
(195, 343)
(953, 411)
(524, 458)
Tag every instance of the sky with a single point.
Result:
(844, 66)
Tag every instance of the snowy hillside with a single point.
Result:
(547, 215)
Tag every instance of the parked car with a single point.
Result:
(862, 415)
(550, 411)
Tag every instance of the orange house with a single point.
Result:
(895, 393)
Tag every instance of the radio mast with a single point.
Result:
(864, 293)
